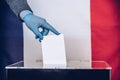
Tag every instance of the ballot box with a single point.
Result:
(100, 71)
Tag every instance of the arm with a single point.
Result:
(33, 22)
(18, 6)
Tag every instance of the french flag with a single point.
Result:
(105, 34)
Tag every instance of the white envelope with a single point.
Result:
(53, 51)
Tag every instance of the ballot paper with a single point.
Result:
(53, 51)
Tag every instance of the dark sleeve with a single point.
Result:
(18, 5)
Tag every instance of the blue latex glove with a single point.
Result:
(34, 23)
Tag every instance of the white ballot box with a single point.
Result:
(70, 17)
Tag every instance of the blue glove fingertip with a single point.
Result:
(58, 33)
(40, 40)
(36, 37)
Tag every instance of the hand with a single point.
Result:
(34, 23)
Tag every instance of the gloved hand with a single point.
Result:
(34, 23)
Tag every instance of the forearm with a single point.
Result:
(18, 5)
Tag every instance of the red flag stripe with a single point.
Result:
(105, 29)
